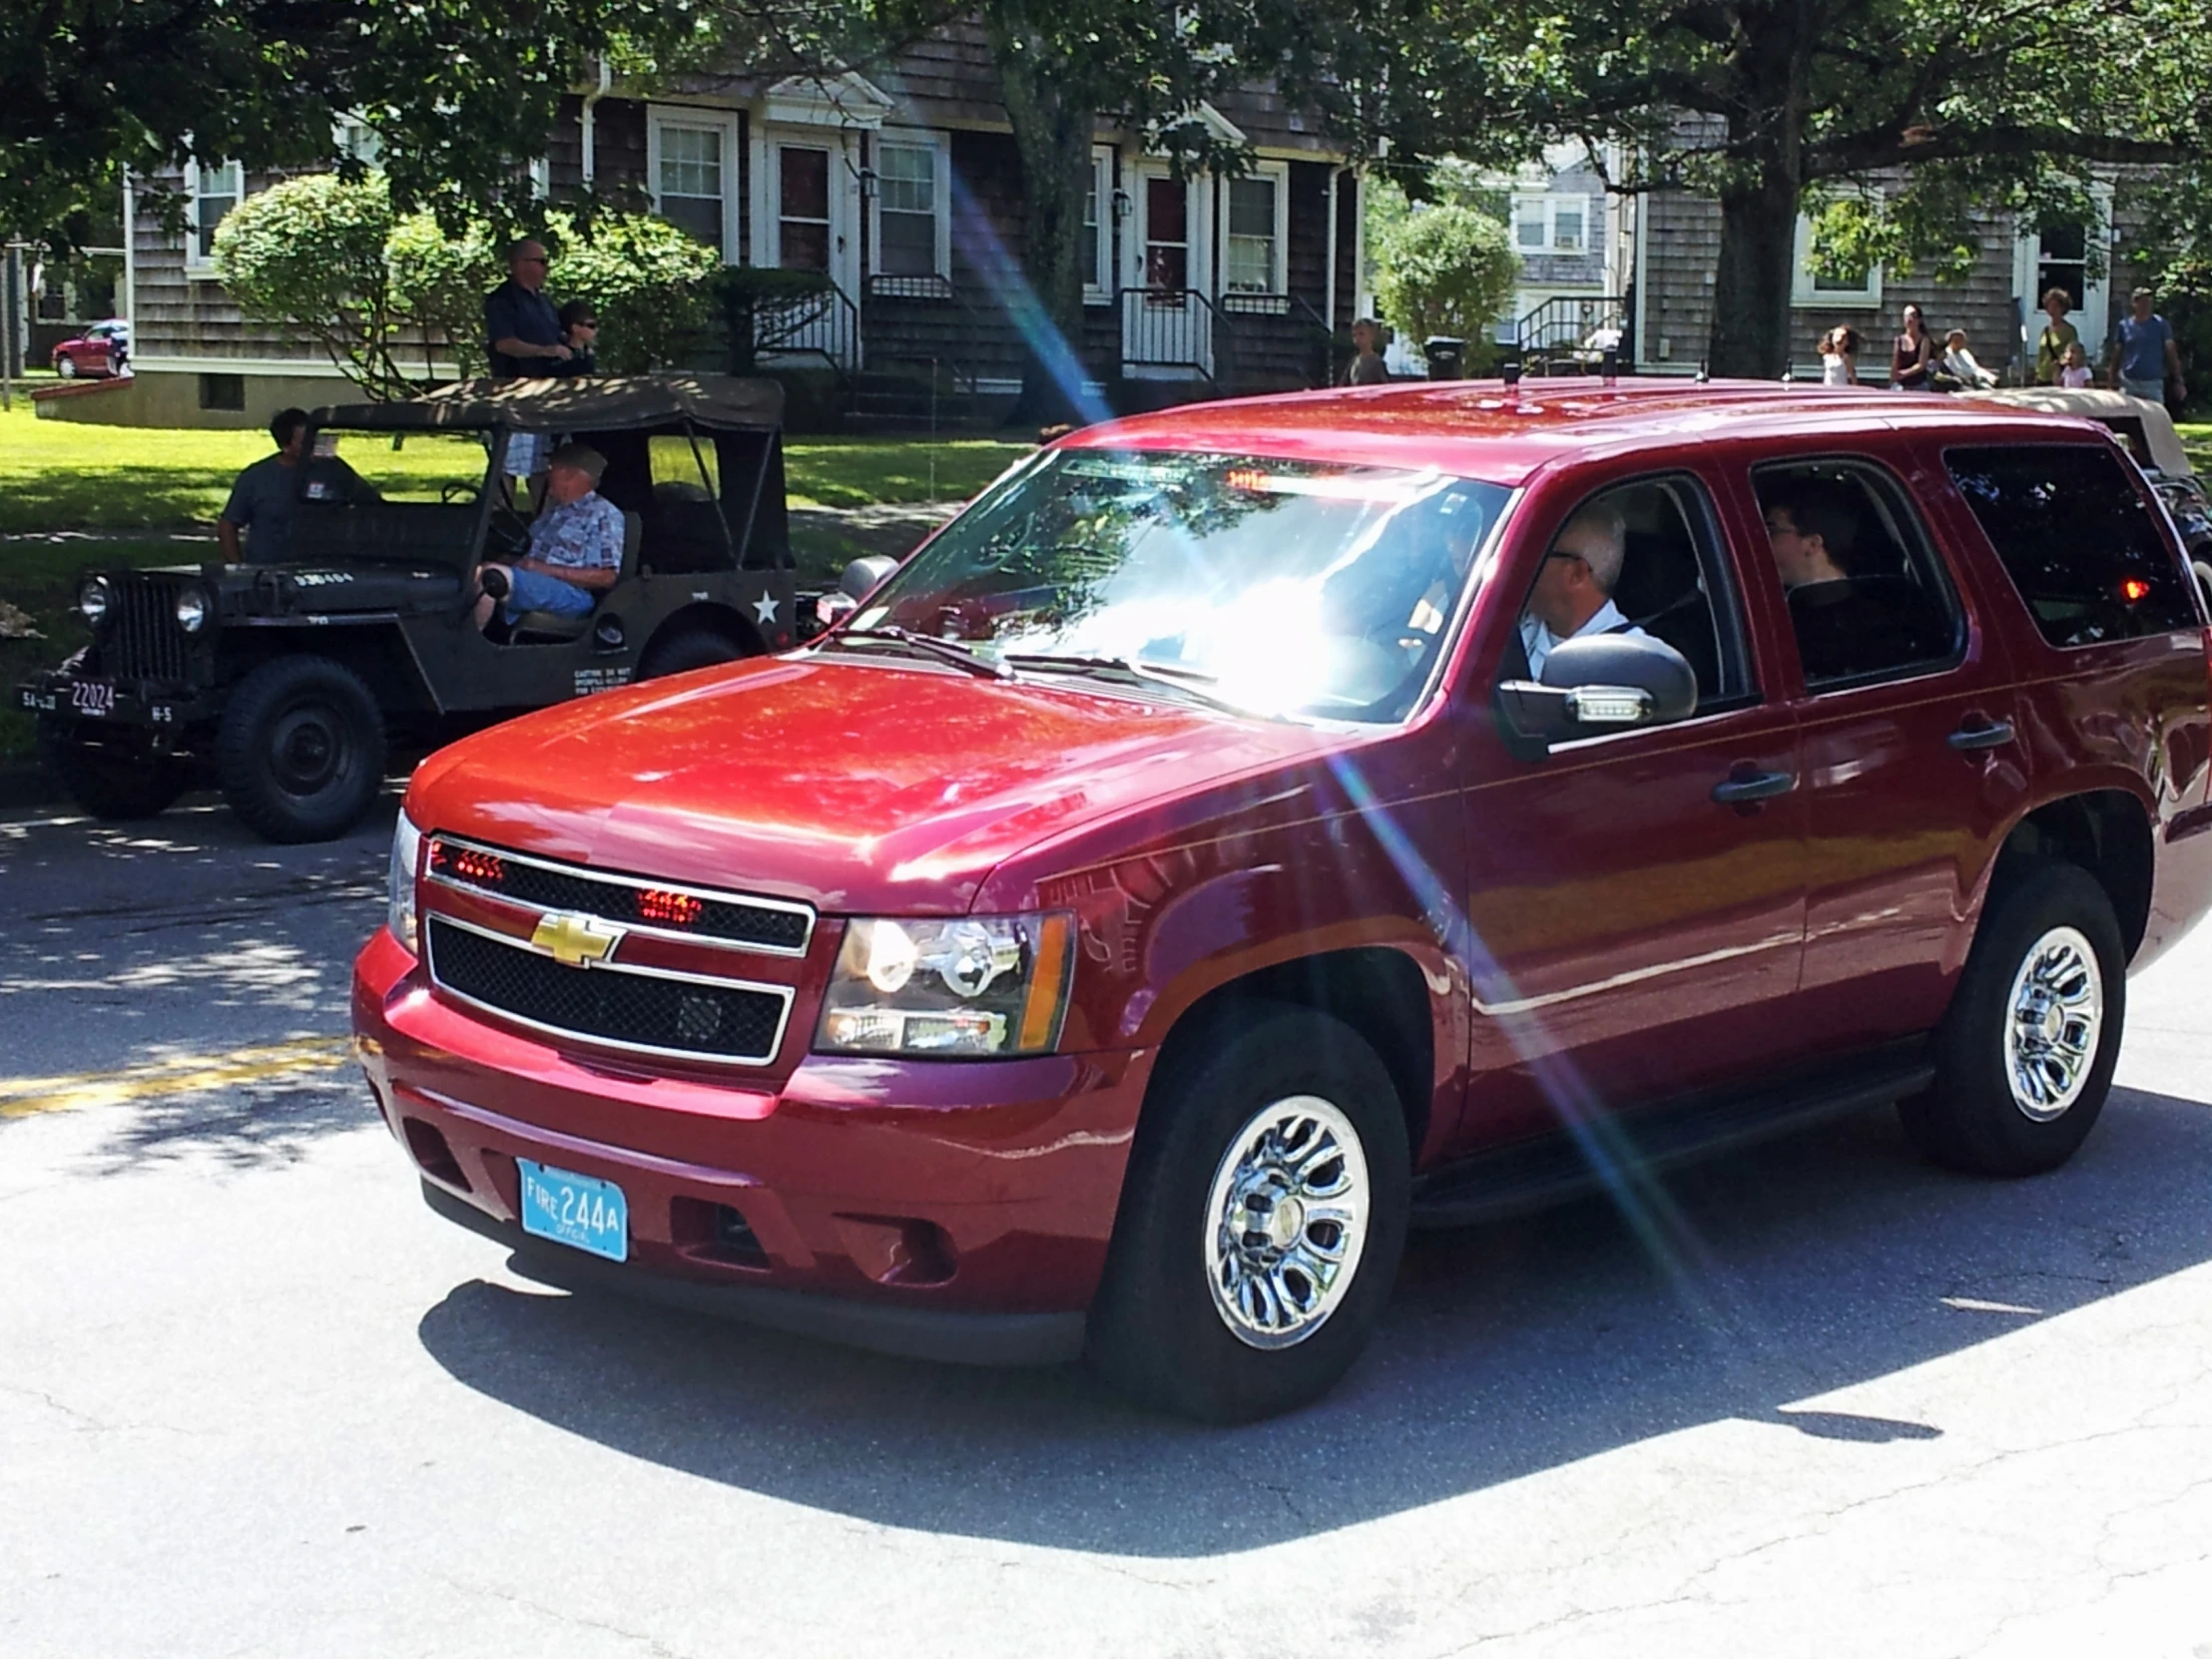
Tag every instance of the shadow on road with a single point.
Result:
(1797, 1269)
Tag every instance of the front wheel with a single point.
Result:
(2025, 1059)
(66, 366)
(117, 788)
(1262, 1221)
(301, 750)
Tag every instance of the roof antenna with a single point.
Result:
(1702, 373)
(1789, 374)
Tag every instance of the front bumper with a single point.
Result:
(152, 711)
(949, 1210)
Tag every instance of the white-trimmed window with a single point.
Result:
(1098, 228)
(691, 164)
(356, 139)
(214, 188)
(1551, 223)
(912, 220)
(1861, 292)
(1257, 230)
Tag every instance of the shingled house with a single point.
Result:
(901, 184)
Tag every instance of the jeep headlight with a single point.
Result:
(191, 610)
(94, 598)
(399, 910)
(958, 986)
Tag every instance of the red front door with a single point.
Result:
(1634, 936)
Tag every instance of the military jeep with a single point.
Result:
(291, 683)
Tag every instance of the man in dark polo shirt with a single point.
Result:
(523, 331)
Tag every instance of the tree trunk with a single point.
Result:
(1751, 290)
(1052, 139)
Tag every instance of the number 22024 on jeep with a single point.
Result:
(1250, 830)
(289, 683)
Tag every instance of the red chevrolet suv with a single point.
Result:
(1248, 830)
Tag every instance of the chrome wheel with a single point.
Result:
(1285, 1221)
(2055, 1021)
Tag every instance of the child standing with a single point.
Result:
(2073, 368)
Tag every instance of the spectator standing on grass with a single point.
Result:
(2145, 361)
(1367, 368)
(267, 495)
(1911, 353)
(1839, 351)
(523, 331)
(2073, 368)
(2058, 334)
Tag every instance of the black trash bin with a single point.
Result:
(1447, 357)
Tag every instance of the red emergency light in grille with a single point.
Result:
(465, 863)
(671, 909)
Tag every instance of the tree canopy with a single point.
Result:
(1770, 104)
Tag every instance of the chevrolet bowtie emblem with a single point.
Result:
(577, 940)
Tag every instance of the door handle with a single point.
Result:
(1752, 785)
(1990, 734)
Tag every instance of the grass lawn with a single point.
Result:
(2196, 438)
(62, 475)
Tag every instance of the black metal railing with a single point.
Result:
(1556, 332)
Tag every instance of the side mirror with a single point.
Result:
(1601, 682)
(865, 574)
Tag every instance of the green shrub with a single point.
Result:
(1444, 269)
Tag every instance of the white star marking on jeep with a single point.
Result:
(763, 609)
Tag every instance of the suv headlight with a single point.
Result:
(399, 912)
(94, 598)
(958, 986)
(191, 610)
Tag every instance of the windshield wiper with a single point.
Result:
(945, 651)
(1189, 681)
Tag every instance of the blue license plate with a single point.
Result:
(577, 1209)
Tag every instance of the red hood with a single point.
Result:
(856, 785)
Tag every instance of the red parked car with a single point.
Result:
(1250, 830)
(103, 348)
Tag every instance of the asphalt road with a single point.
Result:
(256, 1400)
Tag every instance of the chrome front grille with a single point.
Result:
(646, 1010)
(741, 921)
(568, 976)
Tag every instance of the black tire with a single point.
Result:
(1983, 1116)
(301, 750)
(687, 649)
(115, 786)
(66, 366)
(1158, 1330)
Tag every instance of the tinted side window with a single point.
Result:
(1868, 597)
(2078, 540)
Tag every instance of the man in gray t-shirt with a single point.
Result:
(267, 495)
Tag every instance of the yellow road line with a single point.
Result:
(20, 1097)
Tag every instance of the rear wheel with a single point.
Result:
(2025, 1056)
(1262, 1221)
(115, 786)
(301, 750)
(687, 649)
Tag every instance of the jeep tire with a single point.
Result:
(685, 649)
(2024, 1057)
(114, 785)
(1261, 1219)
(301, 750)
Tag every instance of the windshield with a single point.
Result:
(1280, 587)
(397, 466)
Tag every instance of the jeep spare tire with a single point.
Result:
(301, 750)
(116, 786)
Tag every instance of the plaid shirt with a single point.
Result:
(584, 534)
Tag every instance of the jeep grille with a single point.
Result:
(139, 639)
